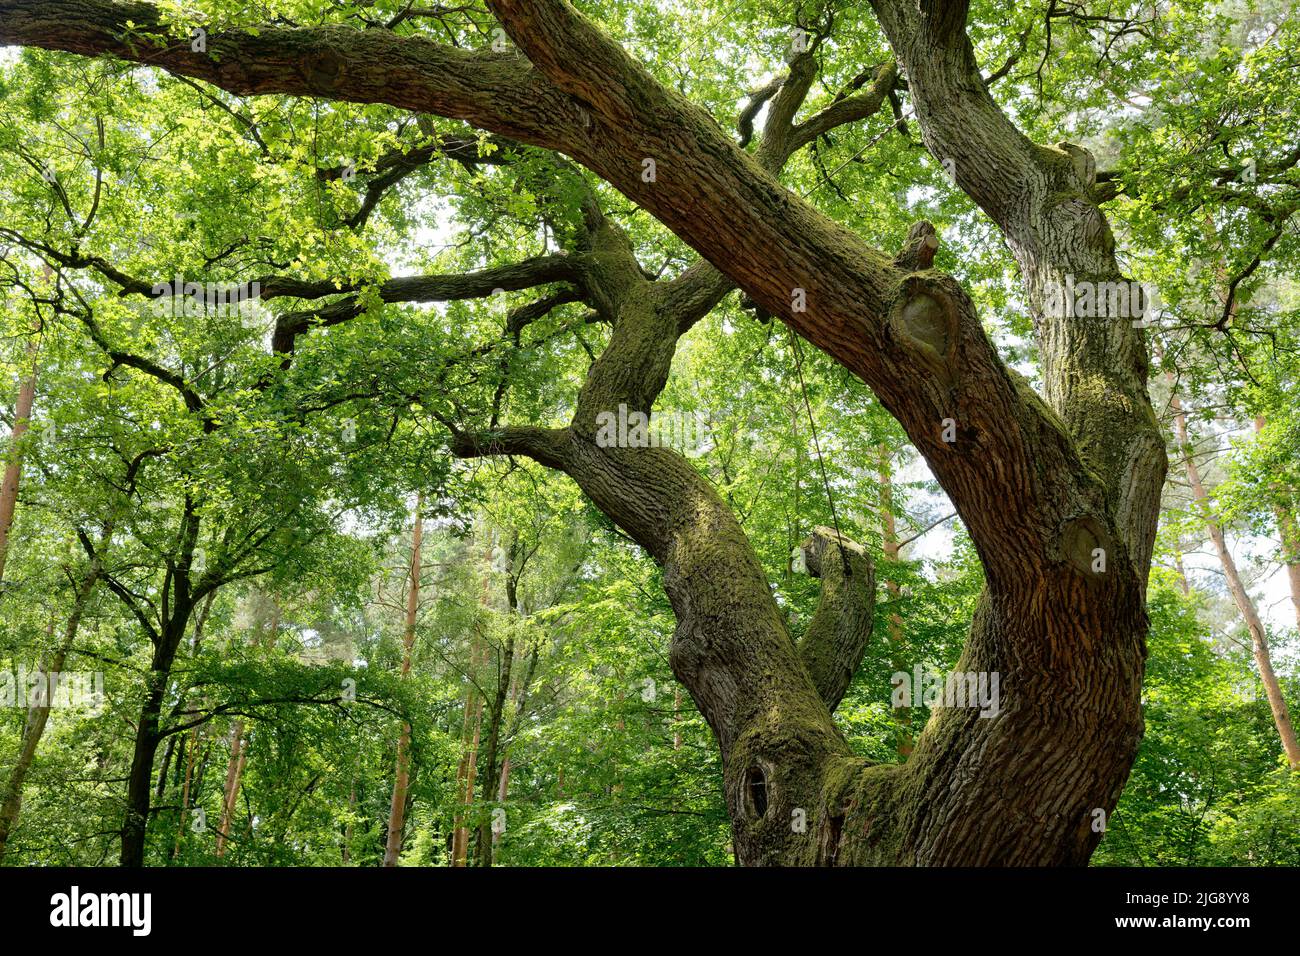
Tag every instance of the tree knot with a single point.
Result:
(924, 321)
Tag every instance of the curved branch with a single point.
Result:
(547, 446)
(840, 629)
(432, 288)
(850, 109)
(496, 91)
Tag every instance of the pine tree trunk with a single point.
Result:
(1240, 596)
(466, 772)
(14, 460)
(230, 793)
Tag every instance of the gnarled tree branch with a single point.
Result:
(837, 637)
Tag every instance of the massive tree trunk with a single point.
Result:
(1060, 496)
(1062, 621)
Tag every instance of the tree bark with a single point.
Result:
(177, 610)
(677, 726)
(497, 711)
(1290, 534)
(469, 763)
(149, 736)
(491, 781)
(519, 700)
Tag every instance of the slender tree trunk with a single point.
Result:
(496, 714)
(460, 835)
(1182, 575)
(519, 703)
(140, 776)
(239, 740)
(677, 709)
(345, 851)
(491, 782)
(467, 771)
(195, 642)
(185, 789)
(139, 788)
(164, 767)
(503, 789)
(890, 550)
(461, 857)
(1245, 605)
(397, 808)
(37, 716)
(1290, 533)
(14, 460)
(230, 793)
